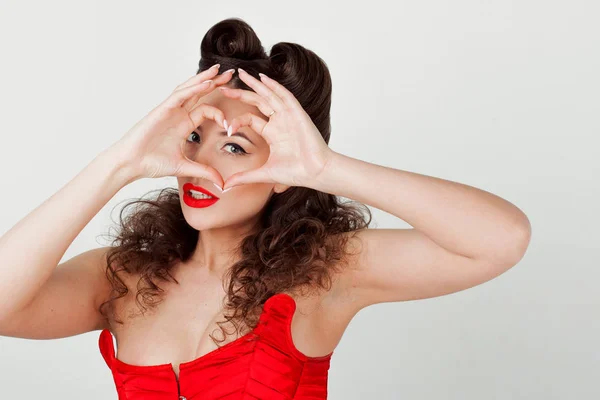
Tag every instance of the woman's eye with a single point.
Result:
(195, 135)
(239, 150)
(236, 148)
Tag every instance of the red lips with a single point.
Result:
(189, 186)
(197, 203)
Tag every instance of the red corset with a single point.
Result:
(262, 364)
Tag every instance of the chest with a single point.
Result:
(178, 329)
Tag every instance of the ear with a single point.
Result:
(280, 188)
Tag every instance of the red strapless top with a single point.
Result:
(262, 364)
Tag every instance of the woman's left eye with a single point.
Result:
(240, 150)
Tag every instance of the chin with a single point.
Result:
(203, 220)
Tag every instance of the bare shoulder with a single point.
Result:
(67, 304)
(342, 299)
(116, 280)
(323, 318)
(87, 272)
(98, 264)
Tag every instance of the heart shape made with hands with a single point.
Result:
(298, 153)
(190, 148)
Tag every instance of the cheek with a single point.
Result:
(242, 164)
(256, 194)
(244, 201)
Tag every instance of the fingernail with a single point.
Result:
(208, 81)
(229, 188)
(218, 187)
(262, 75)
(229, 71)
(239, 69)
(225, 123)
(215, 66)
(229, 131)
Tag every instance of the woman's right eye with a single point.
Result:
(194, 135)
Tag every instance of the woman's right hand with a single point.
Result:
(153, 145)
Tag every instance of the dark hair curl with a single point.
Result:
(298, 241)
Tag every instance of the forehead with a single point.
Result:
(233, 108)
(230, 107)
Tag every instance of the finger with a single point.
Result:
(190, 168)
(203, 112)
(245, 177)
(200, 77)
(284, 94)
(248, 97)
(273, 100)
(224, 77)
(218, 80)
(248, 119)
(177, 98)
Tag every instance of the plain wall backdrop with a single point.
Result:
(500, 95)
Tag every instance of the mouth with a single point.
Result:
(197, 197)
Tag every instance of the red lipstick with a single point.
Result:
(194, 202)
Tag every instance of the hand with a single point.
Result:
(154, 144)
(298, 153)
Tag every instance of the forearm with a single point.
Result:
(460, 218)
(32, 248)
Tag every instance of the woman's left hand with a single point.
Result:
(298, 153)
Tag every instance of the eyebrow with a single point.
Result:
(224, 133)
(240, 134)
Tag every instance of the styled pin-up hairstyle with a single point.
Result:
(300, 241)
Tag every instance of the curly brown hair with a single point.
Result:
(298, 241)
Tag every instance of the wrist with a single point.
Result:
(320, 181)
(119, 164)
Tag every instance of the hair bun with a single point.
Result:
(307, 77)
(233, 44)
(231, 38)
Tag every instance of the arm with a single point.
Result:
(38, 297)
(462, 236)
(68, 302)
(31, 250)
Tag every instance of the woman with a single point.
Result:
(254, 242)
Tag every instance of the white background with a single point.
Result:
(500, 95)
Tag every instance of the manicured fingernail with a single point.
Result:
(229, 188)
(208, 81)
(225, 123)
(215, 66)
(218, 187)
(239, 69)
(229, 131)
(229, 71)
(262, 75)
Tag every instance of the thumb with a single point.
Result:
(190, 168)
(251, 176)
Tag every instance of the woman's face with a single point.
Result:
(210, 145)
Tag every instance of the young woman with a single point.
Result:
(254, 242)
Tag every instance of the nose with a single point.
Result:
(198, 152)
(205, 153)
